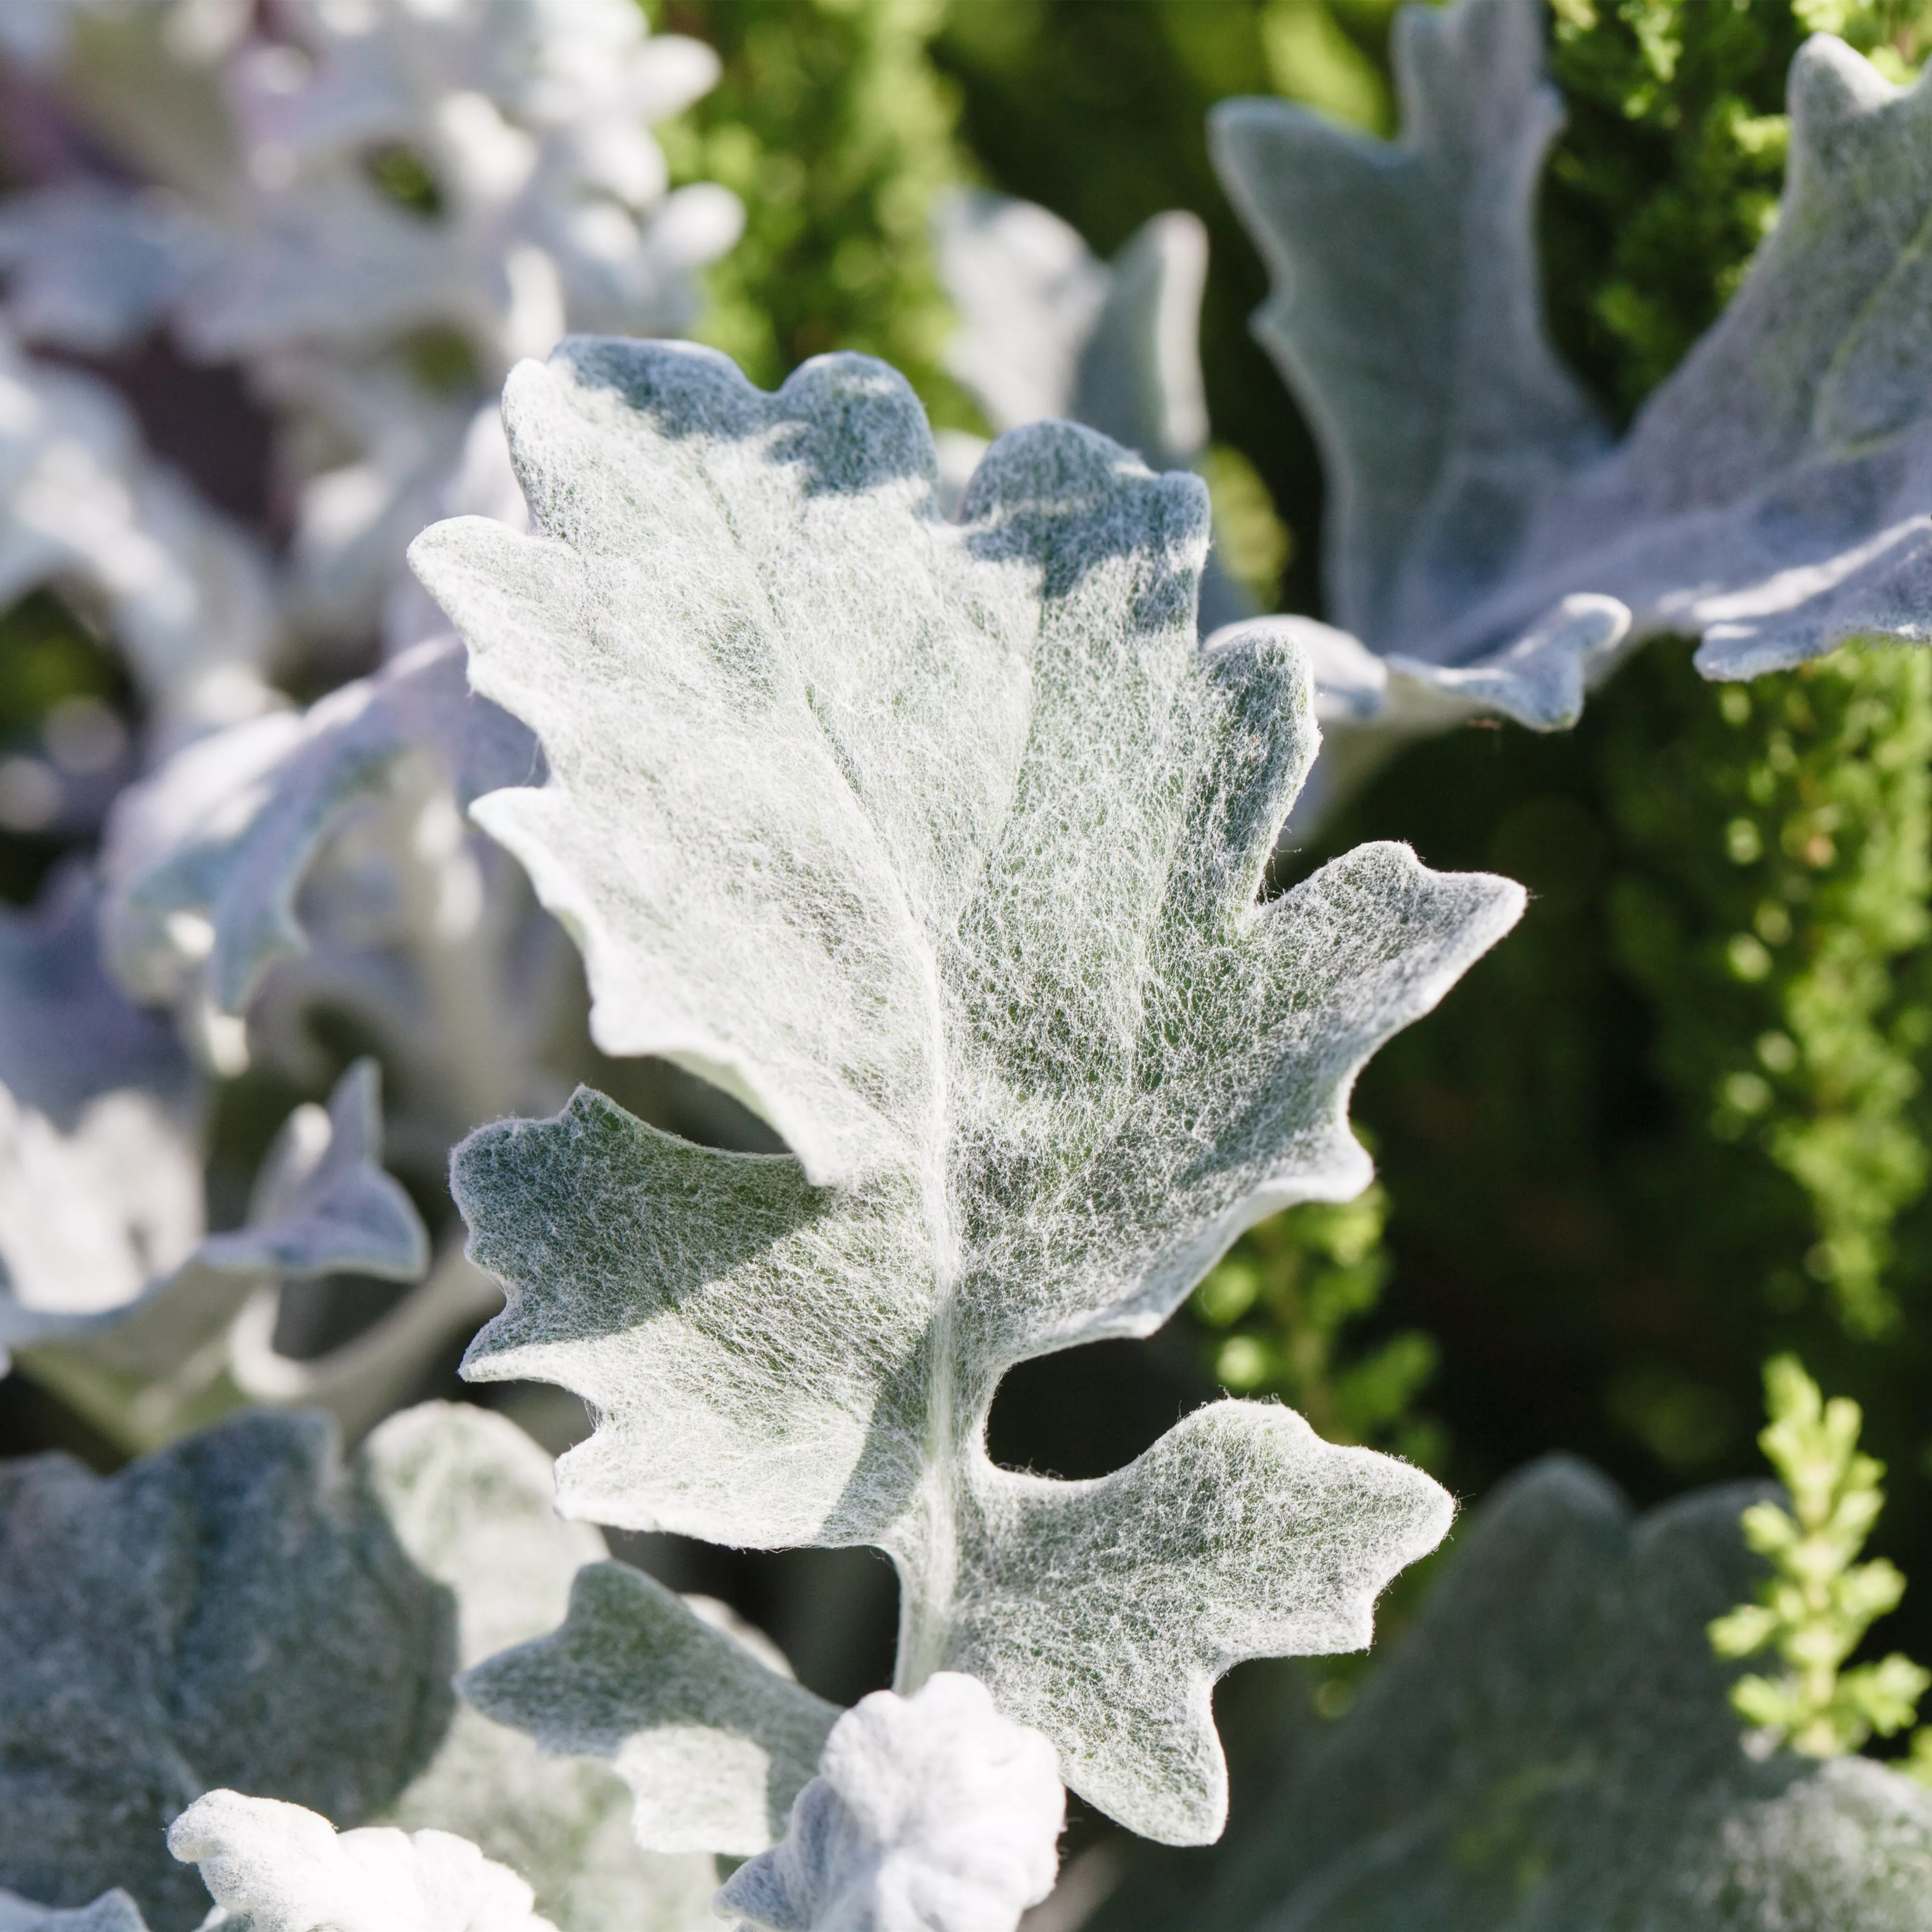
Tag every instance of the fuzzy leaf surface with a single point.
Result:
(472, 1501)
(205, 858)
(1551, 1743)
(929, 1813)
(714, 1743)
(240, 1610)
(940, 843)
(1770, 497)
(275, 1867)
(231, 1610)
(151, 1363)
(1047, 330)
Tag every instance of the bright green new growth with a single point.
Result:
(939, 844)
(1818, 1602)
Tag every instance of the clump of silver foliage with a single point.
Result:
(797, 883)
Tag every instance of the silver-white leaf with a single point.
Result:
(184, 594)
(1485, 535)
(829, 813)
(205, 859)
(275, 1867)
(239, 1610)
(471, 1499)
(929, 1813)
(112, 1911)
(145, 1355)
(714, 1744)
(529, 118)
(1046, 331)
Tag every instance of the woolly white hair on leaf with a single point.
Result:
(714, 1744)
(275, 1867)
(1047, 330)
(929, 1813)
(940, 843)
(1769, 498)
(471, 1500)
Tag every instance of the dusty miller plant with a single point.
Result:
(1490, 546)
(369, 212)
(944, 854)
(937, 844)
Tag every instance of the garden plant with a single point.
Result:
(942, 944)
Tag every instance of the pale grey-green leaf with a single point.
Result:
(942, 842)
(240, 1611)
(93, 268)
(235, 1609)
(205, 859)
(1551, 1745)
(112, 1911)
(1405, 313)
(101, 1180)
(471, 1499)
(929, 1813)
(1046, 331)
(182, 593)
(152, 1364)
(1769, 497)
(714, 1744)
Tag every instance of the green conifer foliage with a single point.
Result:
(1776, 835)
(1667, 176)
(1783, 836)
(833, 126)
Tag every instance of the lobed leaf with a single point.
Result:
(107, 1277)
(714, 1744)
(239, 1610)
(204, 859)
(1551, 1743)
(1046, 331)
(471, 1500)
(530, 189)
(939, 844)
(1769, 497)
(148, 1357)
